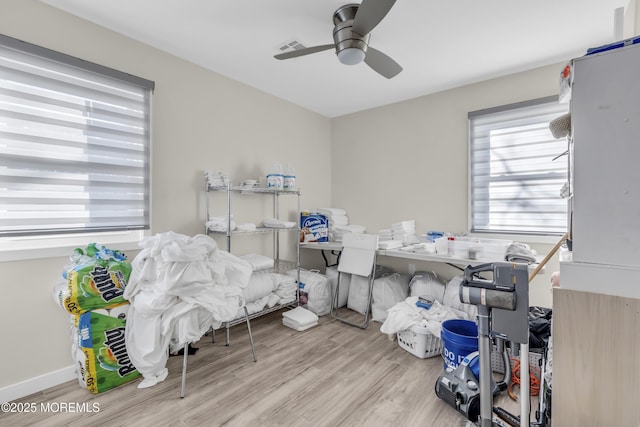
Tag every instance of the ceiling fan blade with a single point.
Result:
(305, 51)
(381, 63)
(369, 14)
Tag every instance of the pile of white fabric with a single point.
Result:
(258, 262)
(406, 314)
(179, 287)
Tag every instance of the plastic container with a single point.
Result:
(289, 178)
(275, 179)
(459, 338)
(451, 246)
(420, 342)
(564, 254)
(473, 248)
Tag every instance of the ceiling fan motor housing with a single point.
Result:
(343, 37)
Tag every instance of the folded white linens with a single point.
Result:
(246, 226)
(300, 316)
(216, 179)
(288, 323)
(351, 228)
(258, 262)
(260, 285)
(220, 223)
(390, 244)
(277, 223)
(339, 220)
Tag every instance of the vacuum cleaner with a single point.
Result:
(460, 386)
(503, 304)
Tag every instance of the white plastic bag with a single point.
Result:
(426, 284)
(452, 298)
(345, 281)
(388, 291)
(315, 291)
(358, 299)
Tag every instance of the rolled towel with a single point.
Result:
(339, 219)
(276, 223)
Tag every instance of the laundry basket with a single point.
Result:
(418, 341)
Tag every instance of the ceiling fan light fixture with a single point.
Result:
(351, 56)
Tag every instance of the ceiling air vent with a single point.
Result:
(290, 46)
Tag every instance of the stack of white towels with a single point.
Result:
(385, 234)
(216, 179)
(400, 234)
(339, 223)
(386, 240)
(405, 232)
(299, 319)
(221, 224)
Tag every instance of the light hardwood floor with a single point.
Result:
(330, 375)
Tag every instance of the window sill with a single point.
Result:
(19, 249)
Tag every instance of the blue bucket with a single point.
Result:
(459, 338)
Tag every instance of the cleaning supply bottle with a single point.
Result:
(289, 178)
(275, 179)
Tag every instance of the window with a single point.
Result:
(74, 145)
(515, 172)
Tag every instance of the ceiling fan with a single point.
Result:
(352, 26)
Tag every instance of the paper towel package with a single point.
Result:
(313, 227)
(102, 340)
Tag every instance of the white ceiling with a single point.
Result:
(441, 44)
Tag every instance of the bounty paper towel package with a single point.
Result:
(95, 280)
(313, 227)
(102, 340)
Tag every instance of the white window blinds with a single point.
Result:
(74, 144)
(514, 182)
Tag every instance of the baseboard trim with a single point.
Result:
(34, 385)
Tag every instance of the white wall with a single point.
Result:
(201, 121)
(410, 160)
